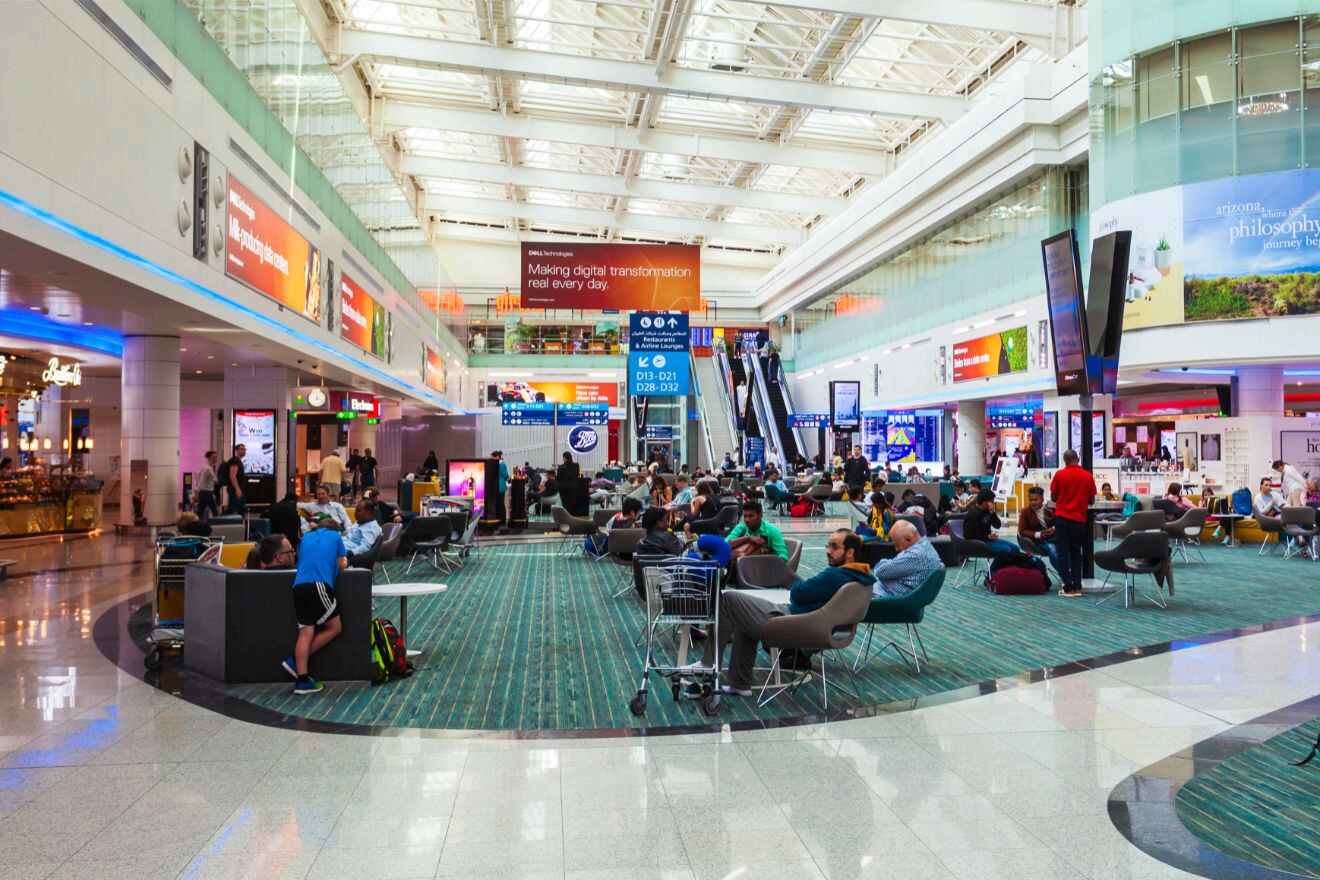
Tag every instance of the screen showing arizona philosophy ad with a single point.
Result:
(433, 370)
(1241, 247)
(552, 392)
(361, 318)
(996, 355)
(628, 277)
(268, 255)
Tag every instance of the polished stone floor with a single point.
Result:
(102, 776)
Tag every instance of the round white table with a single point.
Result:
(403, 592)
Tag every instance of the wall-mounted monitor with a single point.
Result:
(846, 405)
(1105, 299)
(1063, 292)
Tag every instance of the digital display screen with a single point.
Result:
(255, 429)
(1063, 291)
(433, 370)
(362, 319)
(466, 478)
(268, 255)
(846, 404)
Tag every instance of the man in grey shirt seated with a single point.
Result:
(915, 560)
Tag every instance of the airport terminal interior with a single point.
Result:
(662, 439)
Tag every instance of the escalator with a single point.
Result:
(781, 400)
(716, 408)
(763, 408)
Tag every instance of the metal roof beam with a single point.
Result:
(671, 227)
(1034, 20)
(642, 76)
(616, 185)
(395, 114)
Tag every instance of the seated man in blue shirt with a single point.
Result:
(914, 562)
(743, 614)
(362, 537)
(321, 556)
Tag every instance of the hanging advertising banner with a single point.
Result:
(603, 275)
(362, 319)
(433, 370)
(268, 255)
(255, 429)
(552, 392)
(987, 356)
(1238, 247)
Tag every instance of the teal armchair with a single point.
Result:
(907, 611)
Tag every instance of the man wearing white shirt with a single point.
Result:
(323, 504)
(1294, 484)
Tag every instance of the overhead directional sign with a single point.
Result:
(658, 331)
(658, 354)
(656, 374)
(583, 414)
(523, 414)
(808, 420)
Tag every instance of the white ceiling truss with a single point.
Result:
(732, 124)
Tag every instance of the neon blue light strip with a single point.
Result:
(1201, 372)
(1301, 372)
(104, 244)
(30, 325)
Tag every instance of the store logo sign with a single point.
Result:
(361, 404)
(60, 374)
(583, 439)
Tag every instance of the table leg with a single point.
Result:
(403, 625)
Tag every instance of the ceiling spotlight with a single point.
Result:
(88, 324)
(198, 372)
(34, 308)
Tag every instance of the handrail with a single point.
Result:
(701, 408)
(728, 399)
(765, 413)
(789, 406)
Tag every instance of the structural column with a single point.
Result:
(971, 436)
(1258, 391)
(149, 418)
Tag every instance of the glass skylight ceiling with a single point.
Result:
(608, 118)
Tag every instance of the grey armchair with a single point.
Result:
(1270, 525)
(830, 628)
(764, 572)
(1299, 527)
(1141, 521)
(1185, 531)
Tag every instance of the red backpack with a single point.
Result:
(800, 508)
(1012, 580)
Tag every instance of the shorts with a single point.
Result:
(314, 603)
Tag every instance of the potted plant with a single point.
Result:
(1163, 255)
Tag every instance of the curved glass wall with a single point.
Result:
(988, 258)
(1241, 100)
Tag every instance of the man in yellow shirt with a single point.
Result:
(332, 473)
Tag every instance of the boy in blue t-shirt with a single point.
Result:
(321, 556)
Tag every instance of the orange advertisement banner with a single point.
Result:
(433, 370)
(270, 256)
(987, 356)
(628, 277)
(552, 392)
(361, 318)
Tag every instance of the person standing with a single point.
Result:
(320, 559)
(1073, 491)
(332, 473)
(233, 481)
(1294, 484)
(855, 473)
(206, 506)
(368, 469)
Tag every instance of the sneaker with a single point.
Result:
(307, 685)
(1070, 594)
(732, 691)
(289, 667)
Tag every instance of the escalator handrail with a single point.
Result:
(701, 409)
(727, 397)
(789, 406)
(765, 413)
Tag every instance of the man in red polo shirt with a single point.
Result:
(1073, 490)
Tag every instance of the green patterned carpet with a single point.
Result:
(1257, 807)
(527, 640)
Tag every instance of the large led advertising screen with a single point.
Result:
(270, 256)
(433, 370)
(553, 392)
(361, 318)
(846, 404)
(603, 275)
(1063, 292)
(995, 355)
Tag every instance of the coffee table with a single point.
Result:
(403, 592)
(1232, 519)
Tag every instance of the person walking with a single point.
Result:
(233, 473)
(332, 473)
(206, 506)
(856, 471)
(1073, 491)
(503, 477)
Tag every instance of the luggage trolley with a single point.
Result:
(173, 556)
(681, 593)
